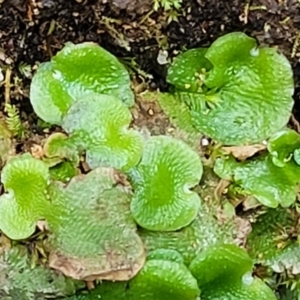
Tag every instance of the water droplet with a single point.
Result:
(57, 75)
(254, 52)
(247, 278)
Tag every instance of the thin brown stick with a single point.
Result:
(7, 85)
(295, 123)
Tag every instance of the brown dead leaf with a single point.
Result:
(148, 114)
(244, 152)
(5, 243)
(86, 168)
(242, 230)
(221, 188)
(121, 178)
(250, 203)
(83, 269)
(42, 225)
(295, 123)
(90, 285)
(37, 151)
(7, 143)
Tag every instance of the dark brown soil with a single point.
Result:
(31, 31)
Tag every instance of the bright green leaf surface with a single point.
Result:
(269, 184)
(224, 272)
(162, 182)
(95, 235)
(63, 171)
(99, 124)
(296, 156)
(188, 71)
(254, 290)
(48, 97)
(159, 280)
(26, 182)
(254, 86)
(249, 94)
(221, 263)
(282, 146)
(269, 242)
(76, 72)
(162, 279)
(166, 254)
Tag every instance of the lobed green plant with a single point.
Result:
(89, 219)
(224, 272)
(236, 92)
(239, 94)
(204, 232)
(229, 279)
(269, 184)
(284, 147)
(271, 178)
(75, 72)
(162, 181)
(99, 124)
(91, 230)
(134, 218)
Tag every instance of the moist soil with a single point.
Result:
(31, 31)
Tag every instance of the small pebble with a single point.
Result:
(162, 57)
(151, 112)
(204, 142)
